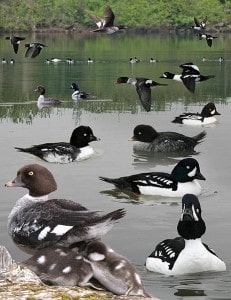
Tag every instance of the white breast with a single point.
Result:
(85, 153)
(196, 258)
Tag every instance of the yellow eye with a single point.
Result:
(31, 173)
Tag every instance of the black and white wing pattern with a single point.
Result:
(169, 250)
(44, 224)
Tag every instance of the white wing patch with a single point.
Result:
(44, 233)
(61, 229)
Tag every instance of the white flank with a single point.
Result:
(206, 121)
(54, 158)
(192, 187)
(61, 229)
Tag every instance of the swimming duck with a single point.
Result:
(76, 150)
(143, 88)
(181, 180)
(90, 60)
(208, 37)
(33, 49)
(77, 95)
(36, 222)
(189, 76)
(42, 101)
(149, 140)
(114, 271)
(185, 254)
(12, 61)
(221, 59)
(55, 60)
(152, 60)
(4, 61)
(106, 25)
(70, 61)
(15, 41)
(207, 116)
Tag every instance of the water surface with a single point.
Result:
(112, 117)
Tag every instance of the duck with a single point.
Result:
(208, 37)
(70, 61)
(12, 61)
(35, 222)
(186, 254)
(33, 49)
(152, 60)
(77, 95)
(221, 59)
(4, 61)
(143, 88)
(182, 179)
(15, 41)
(113, 271)
(42, 101)
(55, 60)
(207, 116)
(90, 60)
(106, 25)
(134, 60)
(60, 266)
(199, 26)
(149, 140)
(189, 76)
(77, 149)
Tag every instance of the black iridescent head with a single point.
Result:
(191, 224)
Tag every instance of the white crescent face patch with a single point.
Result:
(193, 172)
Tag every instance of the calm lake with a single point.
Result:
(112, 117)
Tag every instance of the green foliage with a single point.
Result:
(31, 14)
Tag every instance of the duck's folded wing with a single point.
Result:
(168, 250)
(45, 223)
(156, 179)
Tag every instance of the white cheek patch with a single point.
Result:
(96, 256)
(61, 229)
(192, 173)
(194, 214)
(212, 112)
(44, 233)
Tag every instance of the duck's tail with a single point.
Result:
(199, 137)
